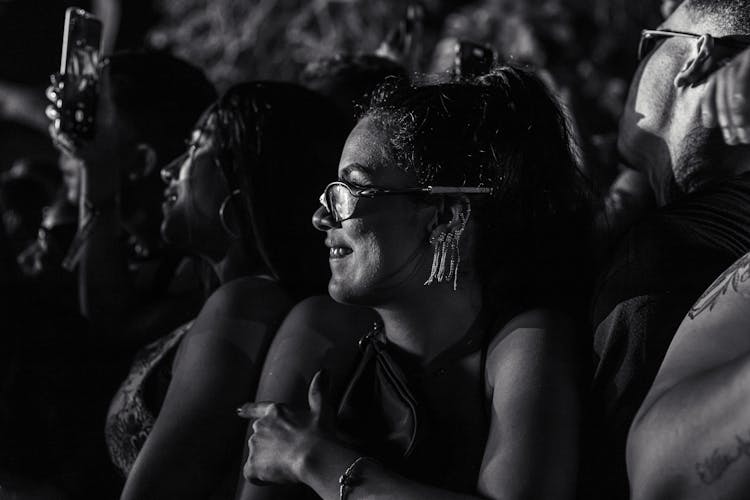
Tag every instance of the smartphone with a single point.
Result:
(403, 43)
(79, 70)
(472, 59)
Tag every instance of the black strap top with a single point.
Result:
(383, 411)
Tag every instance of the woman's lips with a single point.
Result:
(338, 252)
(170, 197)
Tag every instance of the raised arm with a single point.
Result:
(105, 288)
(691, 437)
(196, 442)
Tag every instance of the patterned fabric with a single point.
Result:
(130, 420)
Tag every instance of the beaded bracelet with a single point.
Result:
(349, 478)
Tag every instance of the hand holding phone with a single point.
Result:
(74, 90)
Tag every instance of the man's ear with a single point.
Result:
(146, 161)
(700, 63)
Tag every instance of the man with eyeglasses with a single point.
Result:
(682, 129)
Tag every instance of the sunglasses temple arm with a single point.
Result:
(458, 190)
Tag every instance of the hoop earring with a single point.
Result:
(222, 209)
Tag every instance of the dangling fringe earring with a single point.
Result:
(456, 250)
(437, 250)
(446, 259)
(455, 259)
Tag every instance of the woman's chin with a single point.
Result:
(168, 234)
(341, 291)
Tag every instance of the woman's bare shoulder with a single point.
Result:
(244, 313)
(326, 317)
(531, 335)
(248, 297)
(317, 333)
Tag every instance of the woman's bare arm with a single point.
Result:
(317, 333)
(532, 446)
(197, 437)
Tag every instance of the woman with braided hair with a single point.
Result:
(459, 216)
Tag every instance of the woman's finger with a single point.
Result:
(52, 112)
(255, 410)
(315, 392)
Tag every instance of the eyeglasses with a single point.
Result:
(649, 38)
(340, 198)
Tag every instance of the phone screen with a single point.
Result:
(79, 67)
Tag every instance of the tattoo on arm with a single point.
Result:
(715, 465)
(736, 274)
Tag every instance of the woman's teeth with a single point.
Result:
(338, 252)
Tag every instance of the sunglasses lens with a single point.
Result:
(340, 201)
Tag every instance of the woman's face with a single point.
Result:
(381, 252)
(194, 194)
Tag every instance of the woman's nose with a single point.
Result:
(322, 219)
(169, 171)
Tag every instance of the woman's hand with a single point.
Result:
(53, 93)
(726, 102)
(283, 438)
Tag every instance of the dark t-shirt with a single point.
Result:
(658, 271)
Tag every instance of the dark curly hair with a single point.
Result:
(350, 79)
(501, 130)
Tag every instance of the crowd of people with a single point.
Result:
(464, 312)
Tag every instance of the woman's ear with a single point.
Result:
(451, 214)
(459, 208)
(445, 239)
(699, 64)
(146, 162)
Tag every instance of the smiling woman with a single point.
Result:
(457, 212)
(239, 198)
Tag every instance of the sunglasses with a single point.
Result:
(340, 198)
(649, 39)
